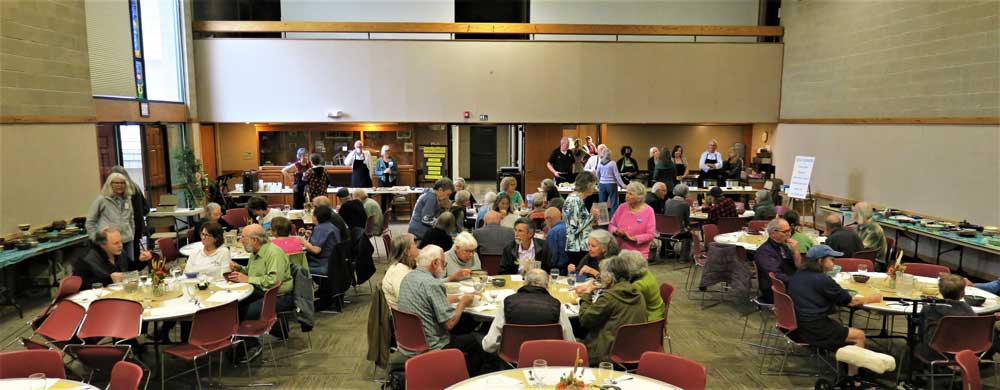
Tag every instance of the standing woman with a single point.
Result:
(113, 208)
(140, 209)
(315, 178)
(627, 165)
(665, 171)
(710, 163)
(579, 221)
(386, 171)
(680, 162)
(300, 166)
(634, 223)
(610, 180)
(654, 153)
(360, 161)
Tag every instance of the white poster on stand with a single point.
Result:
(801, 173)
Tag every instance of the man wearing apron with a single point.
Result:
(360, 162)
(710, 163)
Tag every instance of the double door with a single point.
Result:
(142, 150)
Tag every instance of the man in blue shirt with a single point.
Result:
(556, 238)
(429, 206)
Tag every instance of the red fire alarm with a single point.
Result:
(466, 115)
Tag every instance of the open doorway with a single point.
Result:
(483, 152)
(131, 152)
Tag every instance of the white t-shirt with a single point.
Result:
(213, 265)
(265, 222)
(390, 283)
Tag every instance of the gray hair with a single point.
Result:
(385, 148)
(537, 277)
(614, 269)
(301, 152)
(606, 241)
(774, 224)
(462, 196)
(547, 184)
(120, 169)
(101, 237)
(108, 191)
(459, 180)
(763, 196)
(584, 181)
(445, 221)
(658, 186)
(653, 150)
(636, 188)
(681, 190)
(259, 234)
(428, 255)
(466, 241)
(637, 265)
(527, 224)
(212, 206)
(489, 198)
(605, 156)
(862, 212)
(538, 200)
(360, 194)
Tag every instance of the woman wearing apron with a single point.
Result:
(360, 162)
(710, 163)
(680, 162)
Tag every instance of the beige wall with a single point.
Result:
(872, 59)
(946, 171)
(234, 139)
(694, 139)
(44, 71)
(512, 82)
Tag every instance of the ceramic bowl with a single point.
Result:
(861, 278)
(499, 282)
(975, 300)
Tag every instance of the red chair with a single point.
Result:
(268, 317)
(67, 286)
(667, 294)
(848, 264)
(926, 270)
(777, 283)
(513, 335)
(237, 217)
(555, 352)
(667, 227)
(125, 376)
(409, 331)
(96, 325)
(866, 254)
(212, 330)
(32, 344)
(730, 224)
(490, 263)
(436, 369)
(757, 225)
(633, 339)
(956, 334)
(386, 217)
(61, 325)
(969, 364)
(676, 370)
(710, 231)
(168, 247)
(699, 261)
(21, 364)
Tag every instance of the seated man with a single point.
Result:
(679, 207)
(776, 255)
(422, 294)
(556, 239)
(719, 206)
(531, 305)
(840, 239)
(267, 266)
(462, 258)
(525, 247)
(620, 303)
(493, 237)
(815, 295)
(259, 211)
(335, 219)
(952, 288)
(764, 208)
(104, 262)
(371, 207)
(353, 212)
(537, 208)
(656, 198)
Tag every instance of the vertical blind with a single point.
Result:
(109, 40)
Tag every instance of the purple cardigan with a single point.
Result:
(773, 257)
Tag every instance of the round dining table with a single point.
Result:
(702, 216)
(236, 251)
(547, 378)
(493, 295)
(50, 384)
(174, 302)
(878, 283)
(750, 242)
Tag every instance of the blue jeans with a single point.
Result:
(608, 192)
(990, 287)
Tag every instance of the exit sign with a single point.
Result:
(484, 118)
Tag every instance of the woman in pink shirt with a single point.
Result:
(281, 230)
(634, 223)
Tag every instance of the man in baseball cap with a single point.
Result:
(821, 252)
(719, 206)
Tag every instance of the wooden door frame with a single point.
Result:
(168, 185)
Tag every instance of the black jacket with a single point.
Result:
(94, 267)
(354, 214)
(843, 240)
(438, 237)
(531, 306)
(508, 262)
(656, 203)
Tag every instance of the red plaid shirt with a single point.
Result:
(724, 208)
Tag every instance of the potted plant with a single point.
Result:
(193, 179)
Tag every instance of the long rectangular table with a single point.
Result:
(913, 232)
(333, 191)
(10, 257)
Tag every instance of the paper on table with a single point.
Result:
(221, 297)
(229, 286)
(549, 376)
(495, 381)
(516, 278)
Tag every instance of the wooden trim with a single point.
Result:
(982, 120)
(118, 110)
(40, 119)
(372, 127)
(227, 26)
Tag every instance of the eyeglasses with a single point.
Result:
(783, 231)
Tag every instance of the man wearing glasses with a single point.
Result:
(777, 255)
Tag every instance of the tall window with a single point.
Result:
(162, 48)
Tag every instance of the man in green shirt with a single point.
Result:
(372, 209)
(268, 265)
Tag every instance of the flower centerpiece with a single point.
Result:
(157, 273)
(895, 270)
(570, 381)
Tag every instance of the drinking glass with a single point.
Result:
(554, 273)
(571, 279)
(96, 286)
(863, 268)
(38, 380)
(606, 370)
(539, 366)
(144, 277)
(189, 290)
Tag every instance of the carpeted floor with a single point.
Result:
(336, 359)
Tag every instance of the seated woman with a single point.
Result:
(508, 186)
(646, 283)
(440, 234)
(764, 208)
(213, 213)
(281, 230)
(458, 209)
(462, 259)
(619, 303)
(487, 205)
(804, 241)
(320, 242)
(460, 186)
(815, 295)
(537, 214)
(502, 205)
(403, 253)
(213, 259)
(550, 190)
(600, 245)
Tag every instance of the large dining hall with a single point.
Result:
(499, 194)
